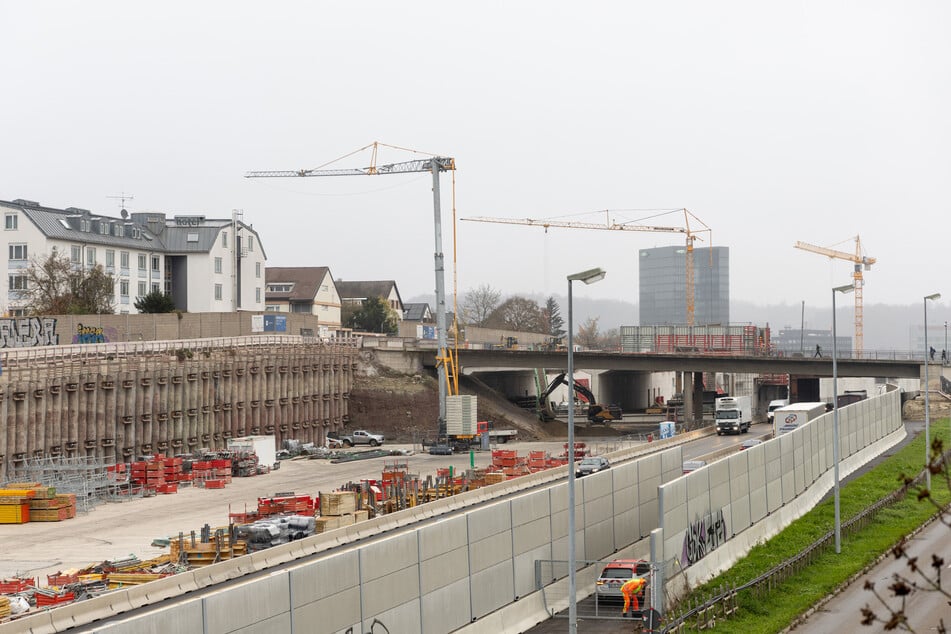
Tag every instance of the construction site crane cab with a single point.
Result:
(597, 413)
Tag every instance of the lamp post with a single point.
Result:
(588, 277)
(835, 415)
(945, 359)
(933, 296)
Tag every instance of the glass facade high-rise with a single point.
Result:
(663, 286)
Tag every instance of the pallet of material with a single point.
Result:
(14, 513)
(17, 493)
(4, 607)
(338, 503)
(50, 515)
(15, 584)
(330, 522)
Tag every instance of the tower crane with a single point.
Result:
(860, 261)
(610, 225)
(445, 360)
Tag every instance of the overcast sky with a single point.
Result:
(771, 122)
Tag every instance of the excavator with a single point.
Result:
(597, 414)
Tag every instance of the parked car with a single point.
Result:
(617, 573)
(592, 464)
(693, 465)
(361, 437)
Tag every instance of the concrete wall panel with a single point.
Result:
(649, 477)
(598, 508)
(625, 475)
(492, 588)
(774, 476)
(186, 617)
(672, 464)
(439, 537)
(598, 484)
(247, 604)
(529, 508)
(720, 485)
(599, 540)
(278, 623)
(756, 456)
(490, 551)
(446, 609)
(799, 460)
(335, 612)
(389, 591)
(530, 536)
(402, 617)
(625, 527)
(325, 578)
(387, 556)
(787, 473)
(674, 496)
(525, 569)
(737, 512)
(441, 570)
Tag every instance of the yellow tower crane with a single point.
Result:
(610, 225)
(860, 261)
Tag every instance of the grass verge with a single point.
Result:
(758, 614)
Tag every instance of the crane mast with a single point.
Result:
(609, 225)
(860, 262)
(445, 360)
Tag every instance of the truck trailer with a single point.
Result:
(733, 414)
(786, 419)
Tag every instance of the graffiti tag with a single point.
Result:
(373, 625)
(703, 536)
(28, 332)
(90, 334)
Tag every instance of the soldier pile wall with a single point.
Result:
(114, 407)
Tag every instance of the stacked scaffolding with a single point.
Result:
(87, 477)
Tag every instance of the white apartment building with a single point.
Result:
(206, 265)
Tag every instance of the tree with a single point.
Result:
(478, 304)
(610, 340)
(155, 302)
(375, 315)
(552, 323)
(516, 313)
(57, 286)
(588, 334)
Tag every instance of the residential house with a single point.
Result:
(206, 265)
(303, 289)
(355, 293)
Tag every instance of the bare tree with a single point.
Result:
(921, 576)
(478, 304)
(517, 313)
(588, 334)
(58, 286)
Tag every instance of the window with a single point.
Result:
(103, 227)
(124, 288)
(124, 259)
(155, 263)
(217, 265)
(323, 288)
(191, 237)
(257, 270)
(17, 251)
(18, 282)
(279, 288)
(110, 258)
(272, 308)
(257, 295)
(155, 287)
(75, 254)
(250, 244)
(218, 292)
(142, 291)
(224, 239)
(142, 262)
(17, 312)
(90, 256)
(10, 222)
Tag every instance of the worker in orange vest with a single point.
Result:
(630, 590)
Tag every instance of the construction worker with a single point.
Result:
(630, 590)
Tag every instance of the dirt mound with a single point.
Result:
(405, 407)
(940, 407)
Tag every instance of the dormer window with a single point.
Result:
(280, 288)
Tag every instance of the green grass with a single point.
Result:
(773, 613)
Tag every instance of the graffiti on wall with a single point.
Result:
(93, 334)
(28, 332)
(702, 536)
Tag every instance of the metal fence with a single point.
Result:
(606, 602)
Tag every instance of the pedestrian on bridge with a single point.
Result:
(630, 589)
(818, 351)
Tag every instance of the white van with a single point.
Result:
(774, 405)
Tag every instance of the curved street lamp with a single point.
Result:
(835, 415)
(932, 297)
(588, 277)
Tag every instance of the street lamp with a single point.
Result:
(944, 360)
(835, 415)
(934, 296)
(588, 277)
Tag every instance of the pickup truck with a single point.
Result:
(360, 437)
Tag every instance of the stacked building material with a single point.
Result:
(338, 509)
(50, 597)
(244, 463)
(13, 585)
(4, 607)
(54, 509)
(149, 473)
(208, 548)
(14, 506)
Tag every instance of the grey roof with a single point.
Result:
(416, 311)
(155, 232)
(306, 280)
(366, 289)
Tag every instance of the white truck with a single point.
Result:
(733, 414)
(786, 419)
(775, 405)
